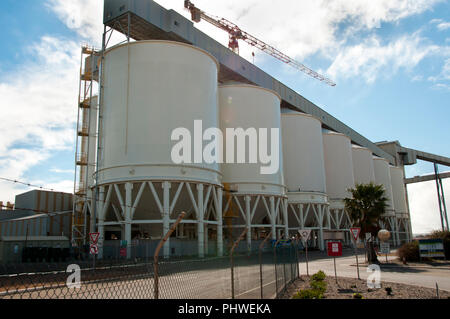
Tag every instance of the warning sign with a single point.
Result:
(305, 233)
(355, 232)
(93, 249)
(94, 237)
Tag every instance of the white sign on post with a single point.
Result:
(305, 233)
(384, 248)
(93, 250)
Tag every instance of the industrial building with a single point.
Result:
(38, 219)
(167, 74)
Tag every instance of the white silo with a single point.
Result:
(304, 173)
(363, 170)
(383, 177)
(339, 176)
(154, 92)
(259, 198)
(400, 205)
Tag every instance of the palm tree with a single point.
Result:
(366, 209)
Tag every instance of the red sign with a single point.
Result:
(94, 237)
(123, 252)
(334, 248)
(355, 232)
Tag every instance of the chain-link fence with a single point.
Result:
(258, 273)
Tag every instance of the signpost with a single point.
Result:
(304, 234)
(93, 249)
(334, 250)
(385, 249)
(355, 231)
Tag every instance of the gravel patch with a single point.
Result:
(346, 287)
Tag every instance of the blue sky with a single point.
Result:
(390, 60)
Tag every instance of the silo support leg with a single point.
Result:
(166, 217)
(200, 225)
(273, 219)
(128, 203)
(217, 196)
(285, 218)
(249, 222)
(321, 215)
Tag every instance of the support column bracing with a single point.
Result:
(200, 223)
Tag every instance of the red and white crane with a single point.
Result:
(235, 34)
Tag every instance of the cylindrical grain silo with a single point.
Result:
(304, 172)
(158, 97)
(383, 177)
(250, 116)
(363, 170)
(338, 175)
(400, 205)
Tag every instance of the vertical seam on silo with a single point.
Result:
(128, 97)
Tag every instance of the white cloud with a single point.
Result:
(62, 171)
(298, 28)
(443, 26)
(424, 207)
(442, 77)
(39, 101)
(369, 58)
(83, 16)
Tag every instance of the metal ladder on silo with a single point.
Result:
(88, 76)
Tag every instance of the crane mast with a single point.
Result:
(235, 34)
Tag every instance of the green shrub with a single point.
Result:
(318, 276)
(357, 295)
(409, 251)
(319, 285)
(308, 294)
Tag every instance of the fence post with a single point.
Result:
(297, 240)
(275, 261)
(232, 262)
(261, 246)
(283, 250)
(156, 255)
